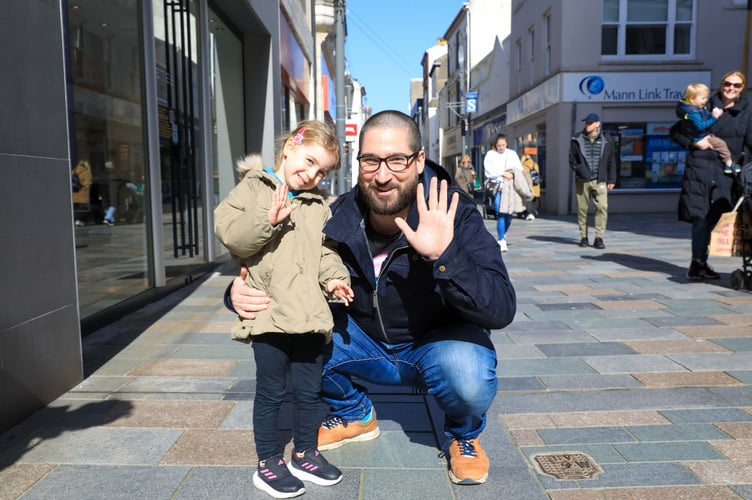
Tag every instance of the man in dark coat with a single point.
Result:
(592, 157)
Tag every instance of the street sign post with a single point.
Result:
(471, 102)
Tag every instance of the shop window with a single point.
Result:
(106, 124)
(647, 29)
(646, 157)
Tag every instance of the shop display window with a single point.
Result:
(646, 157)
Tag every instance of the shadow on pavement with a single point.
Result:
(554, 239)
(674, 273)
(52, 421)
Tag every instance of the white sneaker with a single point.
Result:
(530, 217)
(80, 223)
(503, 245)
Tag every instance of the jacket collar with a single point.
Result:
(738, 107)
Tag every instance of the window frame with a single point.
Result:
(531, 37)
(547, 43)
(518, 50)
(670, 24)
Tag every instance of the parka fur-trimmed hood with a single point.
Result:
(250, 162)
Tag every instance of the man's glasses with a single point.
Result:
(732, 84)
(395, 163)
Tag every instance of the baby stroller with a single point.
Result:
(743, 276)
(489, 192)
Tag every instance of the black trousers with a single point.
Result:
(276, 354)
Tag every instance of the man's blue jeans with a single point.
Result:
(456, 364)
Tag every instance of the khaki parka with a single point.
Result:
(291, 262)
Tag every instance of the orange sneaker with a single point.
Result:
(335, 432)
(468, 463)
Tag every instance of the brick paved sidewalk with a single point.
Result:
(613, 357)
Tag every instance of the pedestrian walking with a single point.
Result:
(592, 156)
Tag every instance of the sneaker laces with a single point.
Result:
(333, 421)
(467, 448)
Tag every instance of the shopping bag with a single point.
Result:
(732, 235)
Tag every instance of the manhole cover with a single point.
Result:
(567, 466)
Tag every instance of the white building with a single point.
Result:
(475, 63)
(434, 79)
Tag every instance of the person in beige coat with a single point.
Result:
(515, 191)
(531, 169)
(464, 177)
(272, 223)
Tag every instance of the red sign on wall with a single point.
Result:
(351, 131)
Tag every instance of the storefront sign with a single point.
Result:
(292, 59)
(536, 99)
(617, 87)
(629, 87)
(487, 132)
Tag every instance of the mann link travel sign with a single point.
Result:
(622, 87)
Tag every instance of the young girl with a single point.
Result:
(272, 224)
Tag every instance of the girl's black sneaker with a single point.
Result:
(312, 466)
(274, 478)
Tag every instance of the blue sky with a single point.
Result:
(385, 43)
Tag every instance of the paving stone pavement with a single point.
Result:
(613, 356)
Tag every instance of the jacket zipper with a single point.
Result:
(376, 307)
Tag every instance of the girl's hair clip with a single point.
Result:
(298, 139)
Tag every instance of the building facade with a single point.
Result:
(540, 68)
(472, 38)
(629, 61)
(434, 63)
(156, 99)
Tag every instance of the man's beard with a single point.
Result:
(379, 206)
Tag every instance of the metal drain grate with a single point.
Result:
(566, 466)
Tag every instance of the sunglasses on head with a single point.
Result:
(732, 84)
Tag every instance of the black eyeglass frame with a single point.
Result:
(409, 159)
